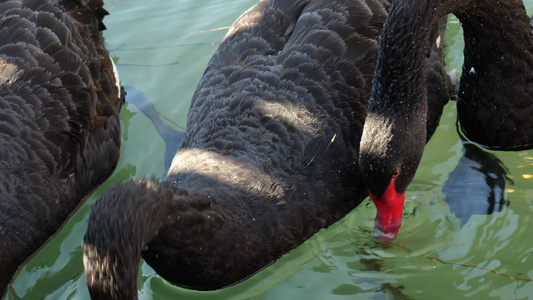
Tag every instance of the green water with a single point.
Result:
(162, 48)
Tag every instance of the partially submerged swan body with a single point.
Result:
(270, 155)
(495, 100)
(59, 127)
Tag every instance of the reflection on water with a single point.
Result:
(170, 135)
(448, 245)
(477, 184)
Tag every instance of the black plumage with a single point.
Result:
(59, 127)
(495, 96)
(270, 155)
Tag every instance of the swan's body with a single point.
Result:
(270, 155)
(59, 128)
(495, 100)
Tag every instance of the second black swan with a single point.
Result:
(59, 127)
(269, 157)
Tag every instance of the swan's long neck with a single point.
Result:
(399, 82)
(495, 33)
(497, 41)
(117, 234)
(496, 84)
(394, 134)
(496, 92)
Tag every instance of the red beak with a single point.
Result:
(389, 215)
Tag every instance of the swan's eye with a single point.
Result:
(396, 173)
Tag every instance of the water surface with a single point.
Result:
(442, 252)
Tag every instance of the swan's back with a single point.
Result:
(289, 81)
(274, 125)
(59, 129)
(268, 159)
(273, 133)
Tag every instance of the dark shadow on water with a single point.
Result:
(171, 136)
(477, 184)
(371, 272)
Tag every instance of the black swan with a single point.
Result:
(495, 100)
(59, 126)
(269, 157)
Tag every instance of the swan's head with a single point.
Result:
(390, 151)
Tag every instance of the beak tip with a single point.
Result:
(386, 233)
